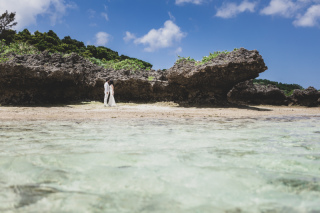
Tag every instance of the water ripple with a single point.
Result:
(156, 165)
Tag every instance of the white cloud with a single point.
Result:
(91, 13)
(27, 12)
(293, 9)
(162, 37)
(171, 16)
(180, 2)
(178, 50)
(129, 36)
(104, 15)
(102, 38)
(310, 19)
(230, 10)
(285, 8)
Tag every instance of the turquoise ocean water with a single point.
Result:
(270, 164)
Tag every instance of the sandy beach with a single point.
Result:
(160, 110)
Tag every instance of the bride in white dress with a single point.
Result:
(111, 101)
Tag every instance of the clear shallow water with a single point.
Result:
(208, 165)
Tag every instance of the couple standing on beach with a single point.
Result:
(109, 93)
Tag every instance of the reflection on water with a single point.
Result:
(150, 165)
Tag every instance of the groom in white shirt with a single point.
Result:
(106, 91)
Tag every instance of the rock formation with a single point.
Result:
(45, 78)
(210, 82)
(309, 97)
(51, 78)
(248, 93)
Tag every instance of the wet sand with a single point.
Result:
(160, 110)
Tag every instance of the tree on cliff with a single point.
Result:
(7, 21)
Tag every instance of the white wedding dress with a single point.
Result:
(111, 102)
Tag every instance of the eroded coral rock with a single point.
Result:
(248, 93)
(51, 78)
(212, 81)
(309, 97)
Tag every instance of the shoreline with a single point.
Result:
(159, 110)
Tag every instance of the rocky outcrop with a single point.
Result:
(52, 78)
(309, 97)
(45, 78)
(248, 93)
(210, 82)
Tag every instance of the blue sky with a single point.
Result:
(285, 32)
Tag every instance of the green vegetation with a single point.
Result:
(180, 59)
(51, 42)
(150, 78)
(205, 59)
(126, 64)
(211, 56)
(286, 88)
(19, 48)
(26, 43)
